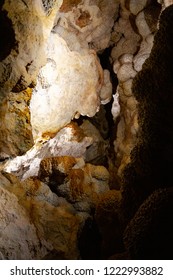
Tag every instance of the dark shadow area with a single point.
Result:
(7, 34)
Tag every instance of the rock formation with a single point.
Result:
(85, 128)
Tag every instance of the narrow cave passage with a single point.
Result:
(86, 130)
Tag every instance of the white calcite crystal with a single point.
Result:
(68, 84)
(72, 82)
(87, 24)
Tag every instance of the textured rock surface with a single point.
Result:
(31, 28)
(151, 159)
(70, 141)
(53, 94)
(15, 129)
(22, 54)
(149, 233)
(81, 28)
(87, 24)
(81, 184)
(96, 153)
(19, 239)
(133, 39)
(51, 54)
(34, 221)
(64, 71)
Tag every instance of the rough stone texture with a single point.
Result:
(69, 141)
(148, 236)
(54, 51)
(133, 39)
(96, 153)
(22, 55)
(81, 184)
(34, 221)
(152, 158)
(108, 219)
(87, 24)
(31, 27)
(15, 129)
(19, 239)
(68, 86)
(81, 28)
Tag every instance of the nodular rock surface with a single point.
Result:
(66, 130)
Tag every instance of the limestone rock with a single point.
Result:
(58, 226)
(96, 153)
(81, 184)
(69, 141)
(86, 24)
(80, 29)
(133, 39)
(15, 129)
(30, 27)
(53, 94)
(151, 159)
(19, 239)
(38, 221)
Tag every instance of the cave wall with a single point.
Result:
(54, 125)
(132, 36)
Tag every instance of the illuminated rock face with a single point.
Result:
(22, 55)
(68, 85)
(72, 83)
(50, 75)
(38, 221)
(31, 27)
